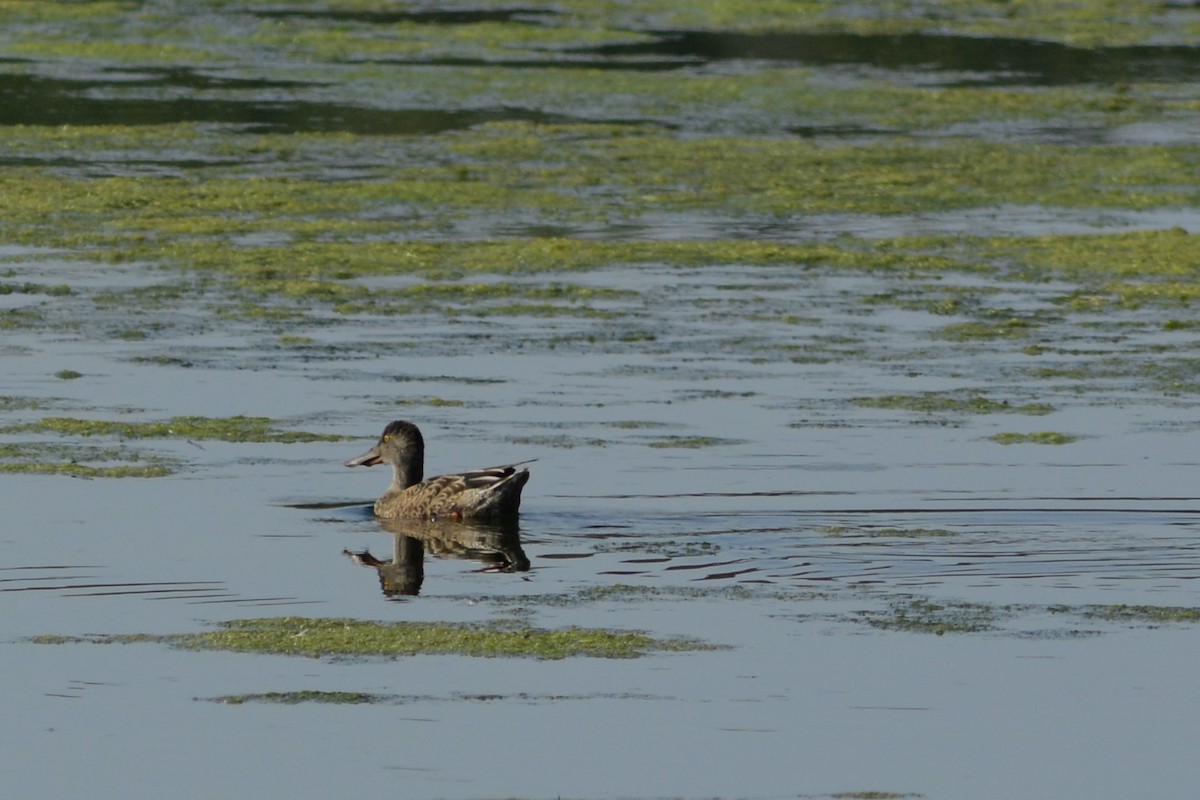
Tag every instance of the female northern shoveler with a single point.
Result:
(490, 492)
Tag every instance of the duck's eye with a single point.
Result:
(387, 436)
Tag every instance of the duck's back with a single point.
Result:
(490, 492)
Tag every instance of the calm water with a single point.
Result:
(810, 699)
(802, 517)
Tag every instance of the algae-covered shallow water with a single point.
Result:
(856, 347)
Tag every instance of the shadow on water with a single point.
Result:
(497, 546)
(36, 100)
(465, 16)
(126, 96)
(1003, 61)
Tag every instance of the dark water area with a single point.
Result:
(995, 61)
(34, 100)
(152, 96)
(419, 16)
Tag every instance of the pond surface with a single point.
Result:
(940, 524)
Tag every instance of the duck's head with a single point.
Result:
(401, 445)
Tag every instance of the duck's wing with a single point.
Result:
(457, 482)
(478, 491)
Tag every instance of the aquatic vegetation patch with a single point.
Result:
(271, 270)
(934, 299)
(20, 318)
(559, 440)
(666, 549)
(226, 429)
(1129, 262)
(349, 638)
(83, 461)
(691, 442)
(1039, 437)
(871, 532)
(58, 290)
(302, 696)
(1010, 328)
(345, 29)
(360, 698)
(922, 615)
(636, 424)
(325, 232)
(652, 170)
(432, 401)
(1142, 614)
(629, 593)
(74, 469)
(417, 41)
(915, 615)
(955, 402)
(10, 402)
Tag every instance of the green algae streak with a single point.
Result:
(226, 429)
(344, 638)
(1040, 437)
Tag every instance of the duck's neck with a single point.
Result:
(406, 475)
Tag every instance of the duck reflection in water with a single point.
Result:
(497, 545)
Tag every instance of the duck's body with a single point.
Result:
(490, 492)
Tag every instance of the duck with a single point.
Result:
(488, 493)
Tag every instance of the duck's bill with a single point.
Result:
(367, 459)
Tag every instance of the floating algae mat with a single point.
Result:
(229, 429)
(348, 638)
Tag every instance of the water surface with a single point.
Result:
(800, 462)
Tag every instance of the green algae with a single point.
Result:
(1145, 614)
(227, 429)
(926, 616)
(58, 290)
(1011, 328)
(561, 441)
(83, 461)
(10, 402)
(112, 51)
(326, 234)
(414, 40)
(956, 402)
(629, 593)
(76, 470)
(1040, 437)
(188, 224)
(348, 638)
(361, 30)
(690, 442)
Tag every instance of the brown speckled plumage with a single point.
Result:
(489, 492)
